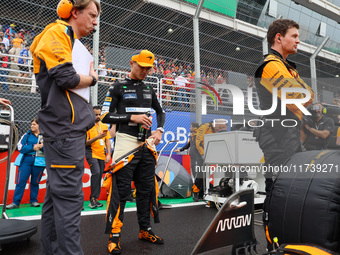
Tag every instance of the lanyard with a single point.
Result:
(100, 128)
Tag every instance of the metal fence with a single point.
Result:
(228, 56)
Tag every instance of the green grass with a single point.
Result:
(26, 210)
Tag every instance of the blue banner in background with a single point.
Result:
(177, 127)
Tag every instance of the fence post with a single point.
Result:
(94, 90)
(313, 67)
(197, 62)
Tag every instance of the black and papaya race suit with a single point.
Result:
(131, 97)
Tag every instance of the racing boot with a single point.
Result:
(148, 235)
(114, 244)
(195, 193)
(195, 196)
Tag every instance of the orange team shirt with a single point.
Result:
(17, 42)
(98, 148)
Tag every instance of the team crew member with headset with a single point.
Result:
(316, 130)
(64, 119)
(277, 142)
(127, 104)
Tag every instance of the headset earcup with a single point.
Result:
(64, 9)
(324, 110)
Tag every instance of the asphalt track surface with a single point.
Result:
(180, 227)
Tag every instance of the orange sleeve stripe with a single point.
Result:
(69, 99)
(63, 166)
(103, 115)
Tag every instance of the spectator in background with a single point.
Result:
(29, 37)
(166, 71)
(29, 144)
(17, 43)
(115, 74)
(98, 153)
(180, 85)
(167, 89)
(9, 33)
(204, 79)
(22, 33)
(23, 64)
(4, 65)
(191, 87)
(4, 40)
(110, 75)
(102, 71)
(173, 71)
(219, 79)
(211, 79)
(189, 79)
(192, 80)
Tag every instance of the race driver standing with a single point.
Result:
(128, 104)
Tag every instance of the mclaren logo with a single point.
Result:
(249, 139)
(234, 222)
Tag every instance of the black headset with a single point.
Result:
(65, 8)
(324, 109)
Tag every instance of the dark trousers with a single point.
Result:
(141, 169)
(196, 160)
(26, 170)
(60, 221)
(278, 144)
(97, 168)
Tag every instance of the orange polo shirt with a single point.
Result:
(17, 42)
(98, 147)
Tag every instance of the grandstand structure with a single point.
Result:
(231, 36)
